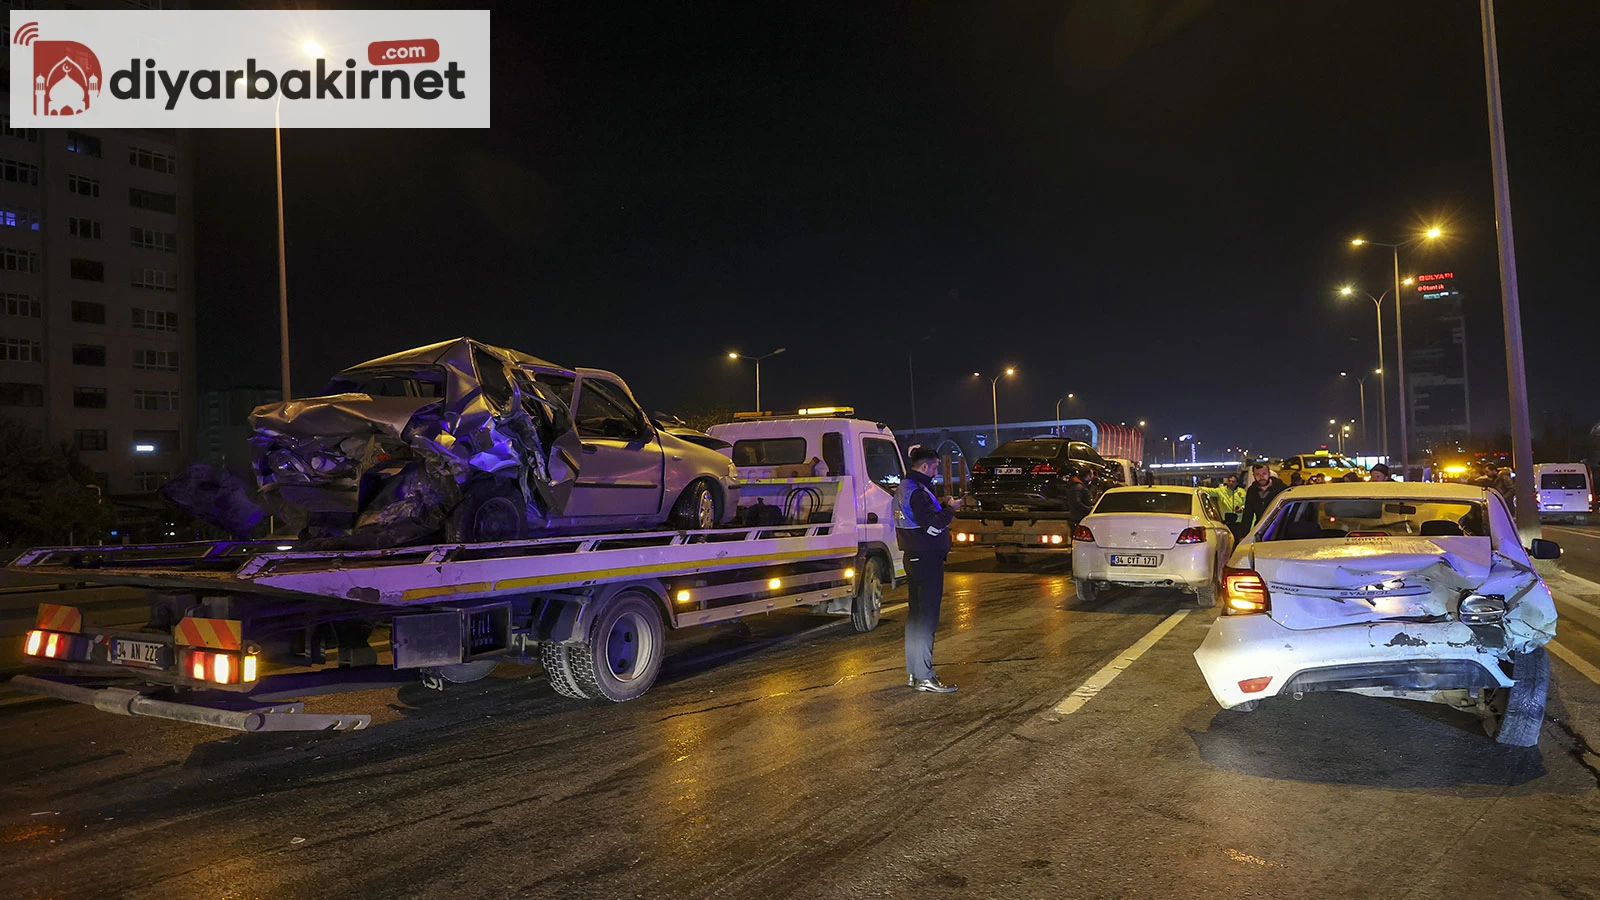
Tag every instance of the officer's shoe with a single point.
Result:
(932, 685)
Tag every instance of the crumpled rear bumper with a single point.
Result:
(1390, 655)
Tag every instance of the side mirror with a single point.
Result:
(1543, 549)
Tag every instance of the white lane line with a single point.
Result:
(1591, 535)
(1577, 662)
(1098, 681)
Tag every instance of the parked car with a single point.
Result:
(1033, 475)
(1419, 591)
(1152, 537)
(1331, 466)
(465, 441)
(1564, 491)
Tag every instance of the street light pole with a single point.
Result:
(994, 398)
(1058, 411)
(283, 263)
(1383, 390)
(733, 354)
(1511, 308)
(1400, 342)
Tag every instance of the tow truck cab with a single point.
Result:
(824, 442)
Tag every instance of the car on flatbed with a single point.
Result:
(1017, 497)
(1416, 591)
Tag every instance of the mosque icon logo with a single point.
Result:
(66, 74)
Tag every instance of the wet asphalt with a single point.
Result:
(790, 760)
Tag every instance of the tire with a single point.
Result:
(622, 655)
(1247, 706)
(1087, 590)
(467, 672)
(868, 605)
(696, 509)
(1522, 716)
(491, 510)
(558, 671)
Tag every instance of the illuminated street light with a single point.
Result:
(1068, 396)
(733, 354)
(1383, 388)
(994, 398)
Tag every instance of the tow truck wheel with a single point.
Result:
(1087, 590)
(558, 671)
(622, 656)
(697, 508)
(468, 672)
(493, 509)
(1519, 710)
(868, 605)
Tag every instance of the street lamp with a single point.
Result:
(1383, 385)
(1361, 384)
(1399, 338)
(732, 354)
(1058, 409)
(994, 398)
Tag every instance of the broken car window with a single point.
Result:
(427, 382)
(604, 412)
(492, 375)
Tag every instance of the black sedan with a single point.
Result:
(1033, 475)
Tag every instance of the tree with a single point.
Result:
(717, 415)
(45, 493)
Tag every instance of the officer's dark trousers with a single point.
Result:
(925, 582)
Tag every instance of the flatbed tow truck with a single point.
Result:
(239, 630)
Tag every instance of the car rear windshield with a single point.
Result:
(787, 451)
(1329, 462)
(1029, 449)
(424, 382)
(1563, 481)
(1360, 517)
(1179, 502)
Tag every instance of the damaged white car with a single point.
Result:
(1419, 591)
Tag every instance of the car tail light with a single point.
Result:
(1082, 533)
(220, 666)
(1245, 592)
(1255, 685)
(980, 469)
(1045, 469)
(1192, 536)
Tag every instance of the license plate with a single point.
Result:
(1118, 559)
(1008, 470)
(138, 653)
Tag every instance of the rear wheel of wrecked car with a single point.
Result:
(697, 508)
(1087, 590)
(622, 656)
(868, 604)
(1519, 710)
(491, 509)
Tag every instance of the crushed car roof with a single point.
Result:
(433, 354)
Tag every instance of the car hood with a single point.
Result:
(1324, 583)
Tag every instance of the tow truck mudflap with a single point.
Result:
(127, 702)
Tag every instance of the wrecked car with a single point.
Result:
(1417, 591)
(464, 441)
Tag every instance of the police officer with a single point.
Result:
(921, 528)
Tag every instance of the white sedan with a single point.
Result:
(1418, 591)
(1152, 537)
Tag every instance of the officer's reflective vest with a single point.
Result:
(904, 517)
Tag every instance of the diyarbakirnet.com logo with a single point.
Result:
(252, 68)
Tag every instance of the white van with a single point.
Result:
(1564, 491)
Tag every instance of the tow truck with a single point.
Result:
(239, 631)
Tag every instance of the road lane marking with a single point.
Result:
(1591, 535)
(1587, 669)
(1098, 681)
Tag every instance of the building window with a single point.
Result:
(150, 239)
(14, 260)
(78, 226)
(21, 305)
(149, 482)
(161, 441)
(156, 360)
(88, 312)
(88, 145)
(17, 394)
(153, 160)
(19, 217)
(155, 401)
(155, 279)
(21, 350)
(31, 135)
(88, 270)
(88, 355)
(155, 319)
(19, 172)
(142, 199)
(88, 439)
(89, 397)
(81, 184)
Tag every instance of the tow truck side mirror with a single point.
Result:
(1543, 549)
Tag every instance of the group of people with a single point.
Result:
(1242, 507)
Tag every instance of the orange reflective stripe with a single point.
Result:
(54, 617)
(218, 634)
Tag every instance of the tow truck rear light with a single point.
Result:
(1192, 536)
(963, 537)
(35, 641)
(1049, 538)
(1045, 469)
(220, 666)
(56, 645)
(1245, 592)
(1082, 533)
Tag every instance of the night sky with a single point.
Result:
(1146, 203)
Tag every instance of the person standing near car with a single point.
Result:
(1264, 488)
(921, 528)
(1080, 500)
(1230, 502)
(1500, 480)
